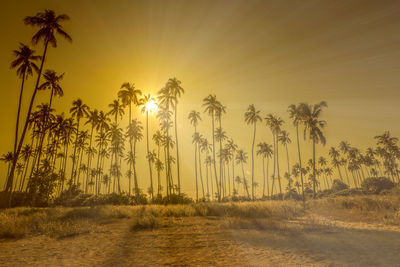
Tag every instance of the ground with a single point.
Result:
(309, 240)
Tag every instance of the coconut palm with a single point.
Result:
(284, 139)
(25, 63)
(175, 89)
(148, 103)
(49, 24)
(265, 151)
(211, 105)
(134, 131)
(79, 110)
(313, 125)
(241, 158)
(252, 116)
(231, 148)
(274, 122)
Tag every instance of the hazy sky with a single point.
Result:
(267, 53)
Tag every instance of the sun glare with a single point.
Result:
(151, 106)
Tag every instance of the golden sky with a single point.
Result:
(267, 53)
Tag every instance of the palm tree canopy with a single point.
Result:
(265, 150)
(284, 138)
(312, 123)
(274, 122)
(52, 82)
(117, 109)
(79, 109)
(129, 94)
(194, 117)
(25, 61)
(252, 115)
(49, 24)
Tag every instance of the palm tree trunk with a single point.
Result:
(177, 151)
(195, 170)
(73, 175)
(301, 170)
(148, 153)
(263, 167)
(314, 178)
(252, 161)
(18, 112)
(89, 158)
(201, 175)
(215, 167)
(245, 183)
(134, 170)
(268, 178)
(273, 174)
(277, 167)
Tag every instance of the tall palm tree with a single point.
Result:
(176, 90)
(79, 110)
(295, 113)
(129, 95)
(148, 105)
(275, 123)
(49, 24)
(265, 151)
(206, 147)
(218, 114)
(313, 125)
(251, 117)
(231, 147)
(194, 118)
(285, 140)
(211, 105)
(25, 65)
(134, 131)
(52, 83)
(241, 158)
(158, 140)
(92, 119)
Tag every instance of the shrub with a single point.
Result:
(339, 185)
(374, 185)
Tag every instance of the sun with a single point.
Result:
(151, 106)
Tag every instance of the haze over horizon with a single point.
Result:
(268, 53)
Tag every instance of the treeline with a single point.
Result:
(85, 149)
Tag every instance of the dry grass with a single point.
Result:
(56, 222)
(380, 209)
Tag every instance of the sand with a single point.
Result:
(313, 240)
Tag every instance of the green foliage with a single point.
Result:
(338, 185)
(375, 185)
(41, 186)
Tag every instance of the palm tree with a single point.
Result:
(49, 25)
(129, 95)
(206, 147)
(241, 158)
(25, 64)
(78, 111)
(265, 151)
(52, 83)
(275, 123)
(196, 140)
(231, 147)
(251, 117)
(134, 131)
(92, 119)
(295, 113)
(211, 105)
(334, 153)
(158, 140)
(314, 126)
(285, 140)
(176, 90)
(194, 118)
(148, 105)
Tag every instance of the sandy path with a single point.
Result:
(198, 241)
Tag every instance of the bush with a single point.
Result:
(339, 185)
(375, 185)
(173, 199)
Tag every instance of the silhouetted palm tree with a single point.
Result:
(49, 24)
(148, 103)
(211, 106)
(25, 65)
(194, 118)
(313, 125)
(275, 123)
(134, 131)
(265, 151)
(252, 116)
(79, 110)
(241, 158)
